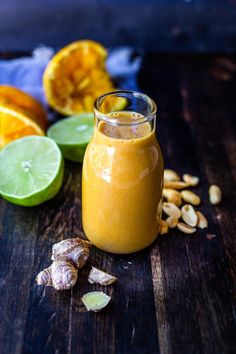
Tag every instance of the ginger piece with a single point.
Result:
(75, 250)
(97, 276)
(95, 300)
(44, 277)
(68, 256)
(62, 275)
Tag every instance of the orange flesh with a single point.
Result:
(22, 102)
(76, 76)
(14, 125)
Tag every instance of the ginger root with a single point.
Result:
(68, 256)
(97, 276)
(62, 275)
(74, 249)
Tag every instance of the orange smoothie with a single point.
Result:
(122, 185)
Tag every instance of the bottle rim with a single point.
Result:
(122, 93)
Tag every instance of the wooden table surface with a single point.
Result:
(177, 296)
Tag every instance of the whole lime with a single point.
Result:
(72, 135)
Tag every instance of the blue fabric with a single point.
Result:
(26, 73)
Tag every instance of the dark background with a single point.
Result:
(161, 25)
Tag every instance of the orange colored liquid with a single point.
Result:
(122, 186)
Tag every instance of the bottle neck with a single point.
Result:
(125, 125)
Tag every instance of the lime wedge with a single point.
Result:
(73, 135)
(114, 104)
(31, 170)
(118, 103)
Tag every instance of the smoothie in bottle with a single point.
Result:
(122, 175)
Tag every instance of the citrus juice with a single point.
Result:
(122, 184)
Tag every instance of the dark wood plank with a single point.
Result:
(48, 325)
(213, 97)
(192, 278)
(18, 239)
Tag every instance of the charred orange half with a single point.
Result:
(76, 76)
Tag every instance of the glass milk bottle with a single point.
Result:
(122, 174)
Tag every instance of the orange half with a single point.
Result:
(24, 103)
(14, 125)
(76, 76)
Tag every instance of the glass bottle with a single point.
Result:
(122, 174)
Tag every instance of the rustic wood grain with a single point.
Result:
(177, 296)
(17, 256)
(213, 113)
(196, 304)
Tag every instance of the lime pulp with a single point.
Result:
(31, 170)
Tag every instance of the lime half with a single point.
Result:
(31, 170)
(73, 135)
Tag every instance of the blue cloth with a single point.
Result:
(26, 73)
